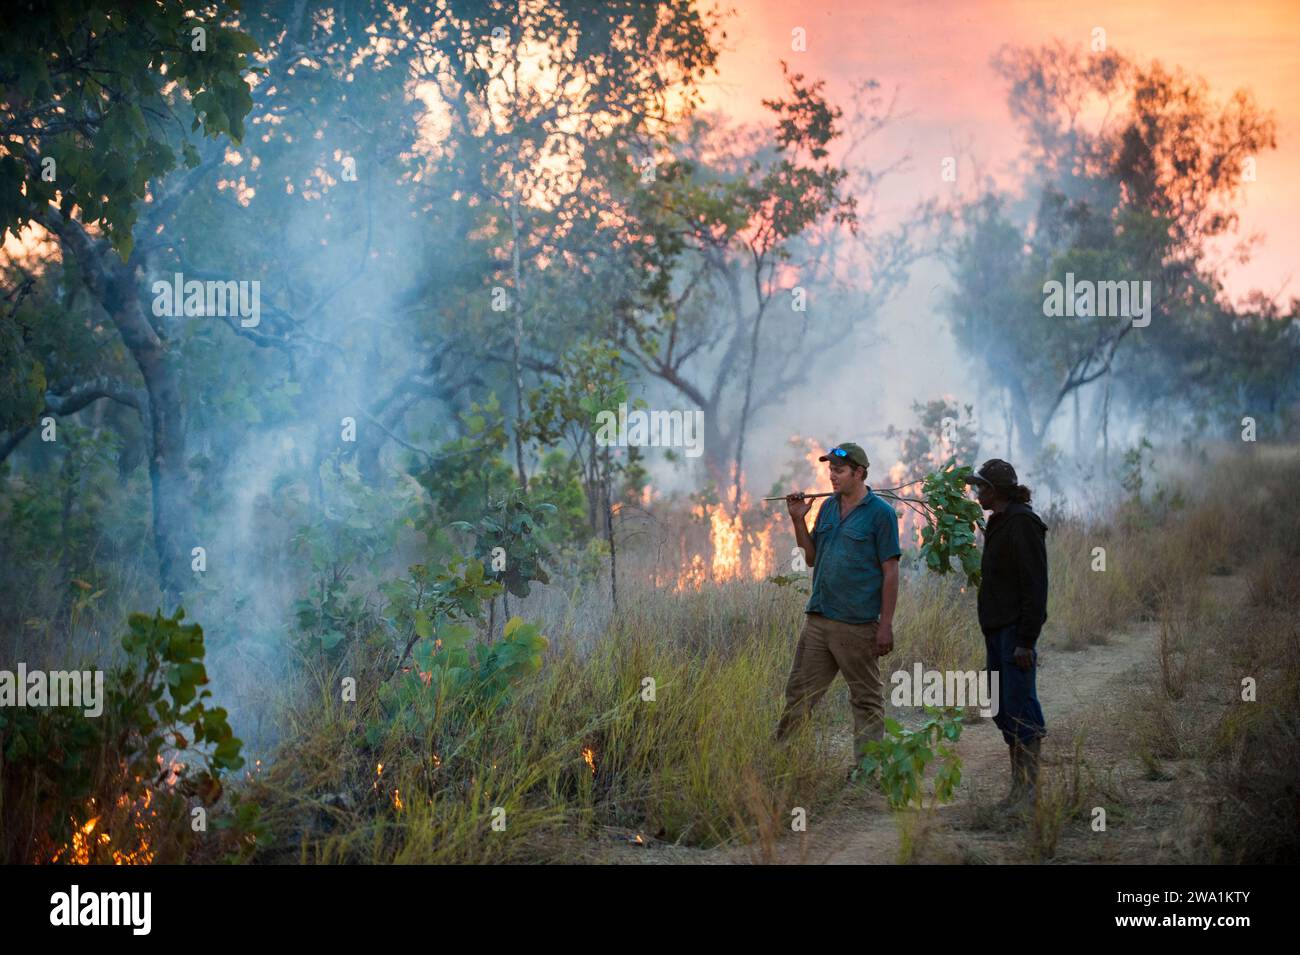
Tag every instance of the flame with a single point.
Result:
(589, 755)
(692, 577)
(742, 539)
(760, 553)
(80, 845)
(397, 799)
(747, 543)
(812, 451)
(725, 534)
(81, 849)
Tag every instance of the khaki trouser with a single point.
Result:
(827, 647)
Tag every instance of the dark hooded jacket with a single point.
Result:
(1013, 581)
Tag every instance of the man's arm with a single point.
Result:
(799, 506)
(1029, 552)
(888, 600)
(889, 549)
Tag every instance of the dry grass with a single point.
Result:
(698, 766)
(1063, 796)
(1236, 761)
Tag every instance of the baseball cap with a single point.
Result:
(847, 451)
(995, 472)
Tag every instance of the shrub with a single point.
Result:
(899, 759)
(105, 789)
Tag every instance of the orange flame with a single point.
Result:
(747, 546)
(725, 534)
(692, 577)
(81, 849)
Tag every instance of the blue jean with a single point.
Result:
(1019, 715)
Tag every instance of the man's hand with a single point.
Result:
(884, 639)
(798, 505)
(1024, 658)
(888, 601)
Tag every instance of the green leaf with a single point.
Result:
(423, 626)
(454, 636)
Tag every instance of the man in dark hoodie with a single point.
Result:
(1012, 610)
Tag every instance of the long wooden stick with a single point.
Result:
(882, 492)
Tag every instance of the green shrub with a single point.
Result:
(898, 760)
(104, 789)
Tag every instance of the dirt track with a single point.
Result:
(1083, 693)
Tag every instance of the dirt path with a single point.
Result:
(1086, 695)
(1075, 687)
(1078, 689)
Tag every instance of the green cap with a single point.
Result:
(847, 451)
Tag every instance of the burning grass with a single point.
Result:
(655, 726)
(583, 754)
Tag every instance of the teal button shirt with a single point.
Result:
(847, 574)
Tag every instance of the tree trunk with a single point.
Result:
(609, 535)
(518, 343)
(716, 453)
(67, 476)
(1105, 430)
(168, 466)
(169, 477)
(591, 484)
(114, 283)
(1031, 438)
(744, 409)
(1078, 438)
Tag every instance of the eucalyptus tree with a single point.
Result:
(1133, 172)
(97, 108)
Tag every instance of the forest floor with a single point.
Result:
(1092, 698)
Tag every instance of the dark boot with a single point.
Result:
(1017, 784)
(1029, 759)
(1024, 775)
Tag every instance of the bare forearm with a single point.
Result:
(804, 539)
(889, 593)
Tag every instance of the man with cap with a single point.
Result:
(848, 623)
(1012, 610)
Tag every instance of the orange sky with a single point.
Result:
(938, 51)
